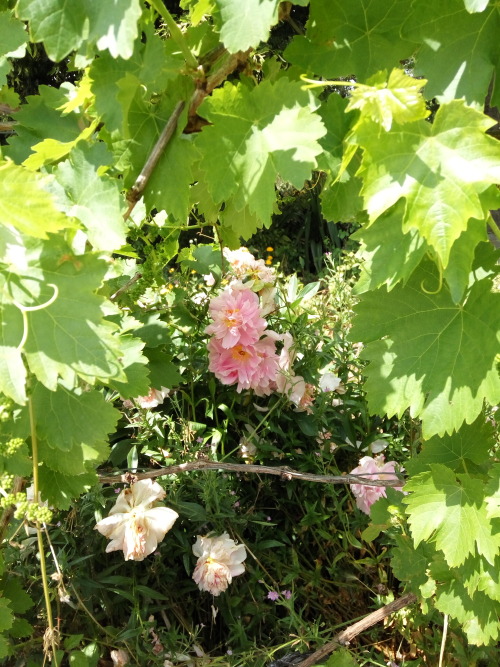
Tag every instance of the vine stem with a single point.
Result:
(43, 565)
(175, 32)
(492, 225)
(344, 638)
(284, 472)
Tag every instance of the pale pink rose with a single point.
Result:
(244, 266)
(236, 317)
(219, 560)
(209, 279)
(330, 382)
(250, 366)
(373, 468)
(154, 398)
(135, 524)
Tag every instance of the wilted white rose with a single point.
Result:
(154, 398)
(135, 524)
(331, 382)
(219, 560)
(120, 658)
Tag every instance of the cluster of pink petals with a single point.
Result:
(249, 366)
(373, 468)
(236, 317)
(244, 266)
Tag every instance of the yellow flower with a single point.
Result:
(269, 249)
(269, 260)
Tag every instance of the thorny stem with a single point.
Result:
(175, 32)
(43, 566)
(284, 472)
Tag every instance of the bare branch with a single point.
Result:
(346, 636)
(284, 472)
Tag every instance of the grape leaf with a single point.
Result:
(440, 169)
(450, 509)
(246, 24)
(77, 460)
(136, 371)
(409, 563)
(493, 492)
(478, 575)
(115, 82)
(95, 200)
(59, 490)
(13, 38)
(66, 418)
(12, 369)
(68, 336)
(19, 600)
(472, 442)
(346, 38)
(387, 254)
(476, 5)
(40, 119)
(63, 27)
(458, 62)
(6, 617)
(423, 363)
(477, 614)
(397, 99)
(38, 215)
(268, 130)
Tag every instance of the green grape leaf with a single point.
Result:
(63, 27)
(242, 223)
(468, 247)
(152, 329)
(414, 340)
(137, 381)
(38, 216)
(473, 6)
(168, 187)
(66, 418)
(41, 122)
(95, 200)
(268, 130)
(163, 372)
(479, 575)
(342, 657)
(19, 463)
(13, 38)
(351, 38)
(472, 442)
(60, 490)
(19, 600)
(478, 614)
(246, 24)
(492, 499)
(387, 254)
(115, 82)
(12, 369)
(397, 99)
(458, 51)
(66, 334)
(450, 509)
(410, 563)
(21, 628)
(440, 169)
(79, 459)
(6, 617)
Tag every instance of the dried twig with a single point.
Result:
(345, 637)
(125, 287)
(284, 472)
(137, 189)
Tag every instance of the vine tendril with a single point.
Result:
(30, 309)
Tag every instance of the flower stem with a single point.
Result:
(43, 566)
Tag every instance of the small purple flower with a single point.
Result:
(229, 651)
(236, 504)
(273, 595)
(268, 518)
(117, 490)
(286, 594)
(200, 440)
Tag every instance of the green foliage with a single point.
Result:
(104, 305)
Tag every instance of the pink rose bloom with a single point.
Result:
(219, 560)
(236, 317)
(154, 398)
(244, 266)
(374, 468)
(250, 366)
